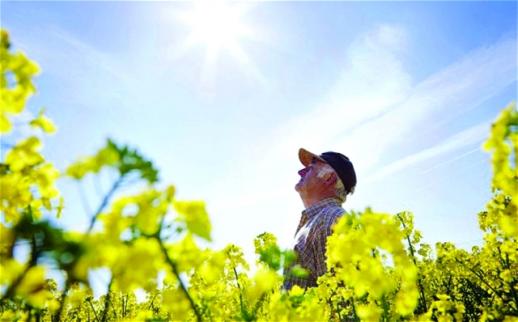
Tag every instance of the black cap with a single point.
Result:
(339, 162)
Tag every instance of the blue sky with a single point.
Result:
(406, 90)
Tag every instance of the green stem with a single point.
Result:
(512, 285)
(244, 312)
(481, 279)
(355, 316)
(57, 316)
(176, 273)
(422, 297)
(104, 202)
(126, 300)
(107, 300)
(258, 305)
(339, 309)
(93, 309)
(151, 304)
(386, 308)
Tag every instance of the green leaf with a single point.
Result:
(299, 271)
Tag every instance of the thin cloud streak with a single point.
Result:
(87, 71)
(452, 160)
(464, 138)
(461, 86)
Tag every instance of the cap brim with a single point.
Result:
(306, 157)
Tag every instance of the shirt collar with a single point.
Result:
(316, 208)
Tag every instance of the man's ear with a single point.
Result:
(331, 180)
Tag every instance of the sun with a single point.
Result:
(216, 25)
(219, 28)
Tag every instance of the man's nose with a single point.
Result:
(303, 171)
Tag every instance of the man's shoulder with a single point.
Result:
(333, 210)
(324, 223)
(331, 214)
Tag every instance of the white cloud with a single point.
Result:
(445, 95)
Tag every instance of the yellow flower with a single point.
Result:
(44, 123)
(369, 312)
(175, 302)
(32, 287)
(25, 154)
(264, 280)
(194, 215)
(10, 269)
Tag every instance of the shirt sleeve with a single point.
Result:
(322, 231)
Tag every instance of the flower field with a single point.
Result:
(378, 267)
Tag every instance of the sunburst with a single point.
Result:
(218, 28)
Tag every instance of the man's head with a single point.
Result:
(330, 174)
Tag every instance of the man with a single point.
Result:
(325, 182)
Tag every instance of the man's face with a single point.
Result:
(312, 178)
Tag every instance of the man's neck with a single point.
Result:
(309, 202)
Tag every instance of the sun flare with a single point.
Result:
(219, 28)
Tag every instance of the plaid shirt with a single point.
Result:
(310, 241)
